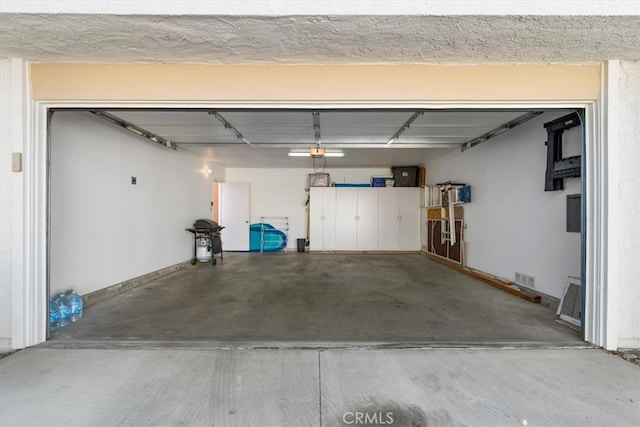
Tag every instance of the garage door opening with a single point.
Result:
(366, 276)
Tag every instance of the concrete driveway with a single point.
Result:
(330, 387)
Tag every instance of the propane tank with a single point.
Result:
(203, 249)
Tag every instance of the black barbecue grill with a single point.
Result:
(206, 231)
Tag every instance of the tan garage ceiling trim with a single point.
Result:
(188, 82)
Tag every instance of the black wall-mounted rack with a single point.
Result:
(559, 167)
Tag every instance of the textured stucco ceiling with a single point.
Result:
(319, 39)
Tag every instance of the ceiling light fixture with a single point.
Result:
(317, 152)
(308, 154)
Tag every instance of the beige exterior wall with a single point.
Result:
(321, 83)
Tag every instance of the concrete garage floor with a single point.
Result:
(319, 298)
(426, 387)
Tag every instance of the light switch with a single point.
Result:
(16, 162)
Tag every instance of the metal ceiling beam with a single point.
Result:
(134, 129)
(404, 127)
(499, 130)
(229, 126)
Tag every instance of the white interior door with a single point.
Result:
(234, 215)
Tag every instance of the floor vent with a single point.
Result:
(525, 280)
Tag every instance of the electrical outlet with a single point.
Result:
(134, 180)
(16, 162)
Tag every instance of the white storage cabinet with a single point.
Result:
(365, 219)
(322, 227)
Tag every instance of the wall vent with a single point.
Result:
(525, 280)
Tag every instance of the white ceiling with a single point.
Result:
(361, 135)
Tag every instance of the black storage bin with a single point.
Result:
(301, 244)
(405, 176)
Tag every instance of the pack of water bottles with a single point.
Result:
(64, 308)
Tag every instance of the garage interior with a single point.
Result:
(125, 184)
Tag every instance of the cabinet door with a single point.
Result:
(409, 209)
(329, 218)
(316, 207)
(346, 218)
(367, 219)
(322, 228)
(388, 219)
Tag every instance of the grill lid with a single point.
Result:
(209, 224)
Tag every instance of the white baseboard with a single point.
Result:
(109, 291)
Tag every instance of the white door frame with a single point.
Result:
(29, 299)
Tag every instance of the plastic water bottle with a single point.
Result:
(65, 309)
(76, 303)
(54, 315)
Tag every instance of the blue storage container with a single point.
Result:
(464, 194)
(353, 185)
(378, 181)
(382, 181)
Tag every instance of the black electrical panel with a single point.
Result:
(574, 209)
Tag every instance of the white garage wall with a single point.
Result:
(104, 230)
(512, 223)
(281, 192)
(629, 202)
(13, 91)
